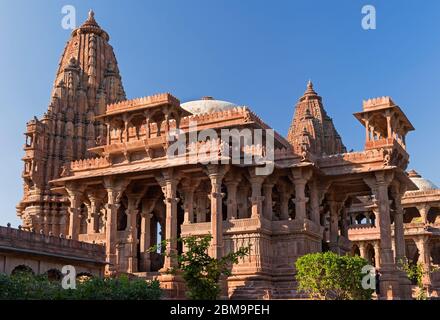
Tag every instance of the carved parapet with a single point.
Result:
(87, 164)
(150, 101)
(238, 113)
(363, 232)
(54, 245)
(377, 103)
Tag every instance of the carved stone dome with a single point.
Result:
(421, 183)
(207, 105)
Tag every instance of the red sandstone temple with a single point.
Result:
(97, 169)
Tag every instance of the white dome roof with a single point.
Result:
(207, 105)
(421, 183)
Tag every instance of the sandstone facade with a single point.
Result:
(98, 168)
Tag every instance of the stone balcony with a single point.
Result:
(249, 225)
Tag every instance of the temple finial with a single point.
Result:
(310, 90)
(91, 15)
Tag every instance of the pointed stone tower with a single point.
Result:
(312, 129)
(87, 79)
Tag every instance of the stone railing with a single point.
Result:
(14, 239)
(209, 118)
(157, 99)
(351, 157)
(91, 163)
(363, 230)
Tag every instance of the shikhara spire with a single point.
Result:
(86, 80)
(312, 129)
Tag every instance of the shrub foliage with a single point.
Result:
(201, 272)
(329, 276)
(25, 286)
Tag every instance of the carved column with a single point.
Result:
(399, 236)
(422, 244)
(145, 241)
(363, 250)
(335, 208)
(132, 212)
(93, 213)
(168, 181)
(75, 197)
(377, 254)
(314, 202)
(390, 284)
(284, 205)
(300, 199)
(201, 199)
(216, 174)
(256, 198)
(114, 189)
(267, 194)
(188, 191)
(232, 206)
(423, 210)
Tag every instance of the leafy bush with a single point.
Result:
(202, 272)
(25, 286)
(328, 276)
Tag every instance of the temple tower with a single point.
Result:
(312, 130)
(87, 79)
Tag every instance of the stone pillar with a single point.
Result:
(75, 197)
(188, 192)
(216, 174)
(93, 221)
(423, 210)
(314, 203)
(189, 207)
(300, 199)
(344, 222)
(256, 198)
(390, 279)
(111, 231)
(377, 254)
(169, 185)
(232, 206)
(335, 208)
(363, 250)
(284, 205)
(132, 212)
(267, 194)
(243, 207)
(201, 206)
(422, 244)
(114, 189)
(145, 241)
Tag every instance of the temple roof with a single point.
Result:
(207, 105)
(421, 183)
(312, 129)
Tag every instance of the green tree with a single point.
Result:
(329, 276)
(201, 272)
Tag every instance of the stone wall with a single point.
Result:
(42, 253)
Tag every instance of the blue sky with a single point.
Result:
(255, 53)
